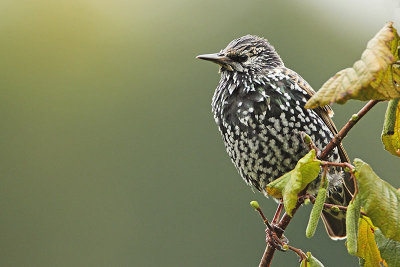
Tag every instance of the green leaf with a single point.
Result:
(391, 128)
(317, 209)
(373, 77)
(352, 225)
(311, 261)
(380, 201)
(367, 248)
(289, 185)
(389, 249)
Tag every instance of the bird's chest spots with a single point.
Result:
(267, 144)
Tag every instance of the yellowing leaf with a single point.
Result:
(391, 128)
(276, 187)
(380, 201)
(289, 185)
(373, 77)
(389, 249)
(367, 248)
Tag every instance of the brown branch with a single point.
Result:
(277, 215)
(266, 222)
(343, 132)
(267, 257)
(284, 222)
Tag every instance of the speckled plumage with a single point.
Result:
(261, 124)
(259, 109)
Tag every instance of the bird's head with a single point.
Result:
(244, 54)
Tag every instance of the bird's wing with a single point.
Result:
(335, 224)
(324, 112)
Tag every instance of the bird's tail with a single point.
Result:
(335, 221)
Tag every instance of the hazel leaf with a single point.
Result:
(380, 200)
(289, 185)
(389, 249)
(375, 76)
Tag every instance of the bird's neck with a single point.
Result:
(233, 83)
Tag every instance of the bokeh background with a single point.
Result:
(109, 152)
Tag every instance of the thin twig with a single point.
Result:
(355, 185)
(277, 215)
(308, 141)
(338, 164)
(343, 132)
(266, 222)
(330, 206)
(299, 252)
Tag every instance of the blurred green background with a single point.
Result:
(110, 155)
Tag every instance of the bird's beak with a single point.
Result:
(216, 58)
(221, 60)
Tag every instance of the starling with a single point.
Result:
(258, 106)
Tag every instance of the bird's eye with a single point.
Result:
(238, 58)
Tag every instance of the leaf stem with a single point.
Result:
(338, 164)
(299, 252)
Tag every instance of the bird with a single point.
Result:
(258, 107)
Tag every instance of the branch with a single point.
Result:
(343, 132)
(284, 222)
(264, 218)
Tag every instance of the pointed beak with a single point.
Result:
(218, 59)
